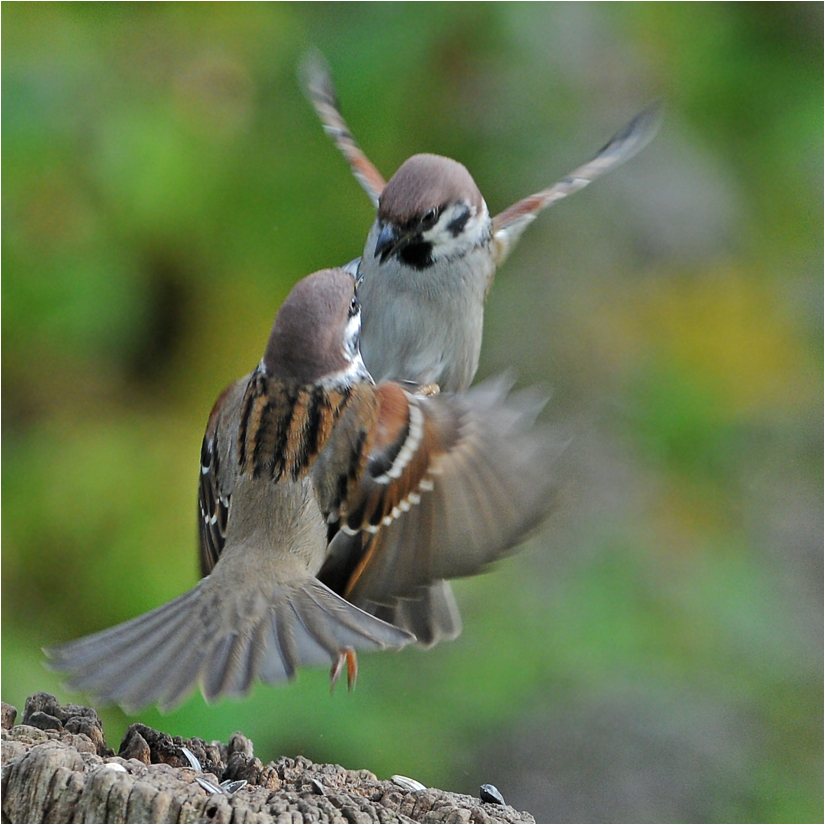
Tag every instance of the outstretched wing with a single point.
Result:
(509, 224)
(453, 482)
(319, 89)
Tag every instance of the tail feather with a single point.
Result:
(223, 640)
(150, 673)
(221, 667)
(179, 681)
(124, 655)
(353, 627)
(431, 613)
(276, 666)
(94, 648)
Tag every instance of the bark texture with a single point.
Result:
(57, 767)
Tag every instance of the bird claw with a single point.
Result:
(428, 390)
(351, 660)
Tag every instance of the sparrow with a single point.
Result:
(327, 504)
(433, 250)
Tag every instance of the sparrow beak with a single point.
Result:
(389, 238)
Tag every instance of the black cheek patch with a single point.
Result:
(456, 226)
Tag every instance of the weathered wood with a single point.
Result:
(57, 767)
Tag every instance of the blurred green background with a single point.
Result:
(655, 654)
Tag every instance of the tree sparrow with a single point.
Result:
(432, 253)
(321, 494)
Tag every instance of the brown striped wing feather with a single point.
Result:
(477, 482)
(215, 486)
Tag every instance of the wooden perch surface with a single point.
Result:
(57, 767)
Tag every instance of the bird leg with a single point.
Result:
(347, 655)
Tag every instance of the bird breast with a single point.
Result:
(426, 325)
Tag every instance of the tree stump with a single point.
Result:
(57, 767)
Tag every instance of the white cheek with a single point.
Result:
(475, 233)
(352, 334)
(355, 370)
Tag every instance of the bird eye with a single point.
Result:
(430, 217)
(354, 306)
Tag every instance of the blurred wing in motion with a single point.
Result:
(509, 224)
(317, 82)
(453, 483)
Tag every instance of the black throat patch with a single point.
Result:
(417, 254)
